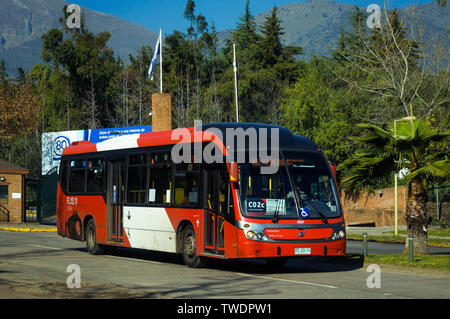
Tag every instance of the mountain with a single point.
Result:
(315, 25)
(23, 21)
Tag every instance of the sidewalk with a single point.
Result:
(27, 227)
(381, 231)
(380, 234)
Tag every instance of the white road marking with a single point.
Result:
(134, 259)
(39, 246)
(288, 280)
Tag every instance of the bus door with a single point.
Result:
(115, 197)
(216, 183)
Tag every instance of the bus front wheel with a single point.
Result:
(91, 239)
(189, 249)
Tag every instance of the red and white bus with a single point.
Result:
(129, 192)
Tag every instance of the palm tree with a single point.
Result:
(412, 145)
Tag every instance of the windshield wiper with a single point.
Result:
(323, 218)
(302, 202)
(275, 217)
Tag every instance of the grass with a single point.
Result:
(424, 262)
(439, 242)
(435, 262)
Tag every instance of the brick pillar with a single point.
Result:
(161, 112)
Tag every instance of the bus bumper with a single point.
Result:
(259, 249)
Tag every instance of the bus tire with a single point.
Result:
(91, 239)
(189, 249)
(277, 262)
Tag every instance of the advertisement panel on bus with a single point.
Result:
(54, 143)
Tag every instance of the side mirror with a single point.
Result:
(234, 172)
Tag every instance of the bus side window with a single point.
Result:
(186, 184)
(63, 175)
(95, 176)
(136, 178)
(160, 182)
(77, 176)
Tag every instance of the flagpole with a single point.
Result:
(160, 61)
(235, 82)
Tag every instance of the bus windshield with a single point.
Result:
(313, 185)
(301, 188)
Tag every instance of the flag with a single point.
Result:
(151, 70)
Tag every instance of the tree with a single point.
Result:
(59, 108)
(391, 66)
(3, 74)
(265, 68)
(350, 43)
(20, 110)
(271, 46)
(198, 26)
(279, 61)
(178, 59)
(314, 107)
(88, 63)
(214, 109)
(131, 90)
(245, 35)
(140, 84)
(409, 145)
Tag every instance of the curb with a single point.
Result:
(27, 230)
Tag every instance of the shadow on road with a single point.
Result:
(207, 286)
(313, 264)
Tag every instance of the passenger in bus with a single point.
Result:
(301, 187)
(325, 193)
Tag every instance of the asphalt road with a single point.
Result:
(34, 265)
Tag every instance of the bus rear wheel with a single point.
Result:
(91, 239)
(189, 249)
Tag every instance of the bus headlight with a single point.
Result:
(339, 235)
(250, 235)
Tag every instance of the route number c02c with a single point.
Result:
(256, 204)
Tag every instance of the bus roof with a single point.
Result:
(287, 140)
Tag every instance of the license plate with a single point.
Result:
(303, 251)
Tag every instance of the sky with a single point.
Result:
(168, 14)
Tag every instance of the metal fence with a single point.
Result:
(40, 199)
(48, 197)
(32, 199)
